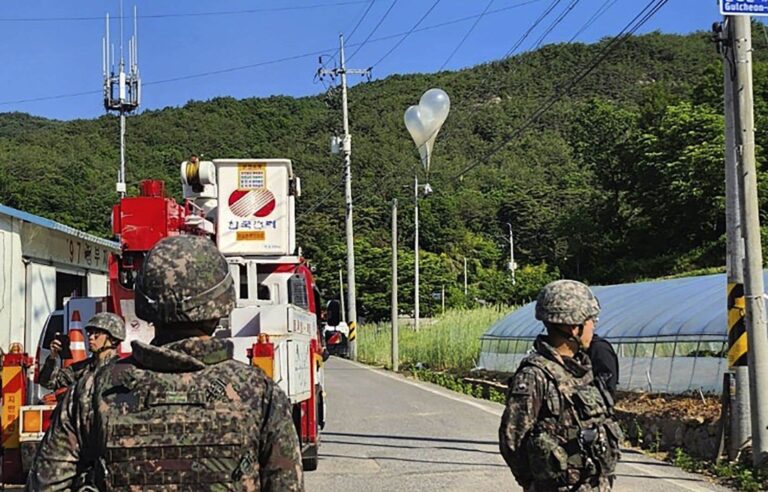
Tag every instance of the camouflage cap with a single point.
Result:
(566, 302)
(108, 322)
(184, 279)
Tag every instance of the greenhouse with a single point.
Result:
(670, 335)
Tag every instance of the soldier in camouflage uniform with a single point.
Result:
(557, 432)
(105, 332)
(179, 414)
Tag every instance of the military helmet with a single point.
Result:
(184, 279)
(566, 302)
(110, 323)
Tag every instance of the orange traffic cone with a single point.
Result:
(76, 341)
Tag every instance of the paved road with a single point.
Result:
(388, 433)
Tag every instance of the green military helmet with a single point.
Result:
(110, 323)
(184, 279)
(566, 302)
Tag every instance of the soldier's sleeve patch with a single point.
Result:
(523, 384)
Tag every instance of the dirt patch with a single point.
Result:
(682, 407)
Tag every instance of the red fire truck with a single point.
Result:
(247, 206)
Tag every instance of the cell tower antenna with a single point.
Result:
(121, 35)
(122, 91)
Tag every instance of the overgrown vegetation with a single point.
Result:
(621, 180)
(738, 475)
(450, 342)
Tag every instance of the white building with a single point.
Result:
(42, 262)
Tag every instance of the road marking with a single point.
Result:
(646, 470)
(401, 379)
(643, 469)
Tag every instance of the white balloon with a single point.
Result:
(425, 120)
(415, 126)
(437, 105)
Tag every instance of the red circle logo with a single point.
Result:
(247, 203)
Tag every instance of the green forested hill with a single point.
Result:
(621, 179)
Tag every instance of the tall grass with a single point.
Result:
(451, 341)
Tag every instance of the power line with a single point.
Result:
(326, 196)
(278, 60)
(508, 54)
(405, 36)
(607, 4)
(556, 23)
(461, 43)
(176, 79)
(394, 2)
(189, 14)
(360, 21)
(641, 18)
(530, 29)
(352, 33)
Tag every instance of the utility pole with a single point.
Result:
(395, 354)
(465, 276)
(740, 42)
(347, 150)
(738, 390)
(512, 265)
(442, 297)
(416, 252)
(122, 91)
(341, 295)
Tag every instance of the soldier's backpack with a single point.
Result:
(176, 430)
(575, 437)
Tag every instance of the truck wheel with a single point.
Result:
(309, 458)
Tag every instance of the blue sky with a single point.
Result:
(51, 48)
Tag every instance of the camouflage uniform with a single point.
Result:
(557, 432)
(178, 416)
(54, 377)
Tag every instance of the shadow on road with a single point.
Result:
(410, 438)
(658, 477)
(405, 446)
(409, 460)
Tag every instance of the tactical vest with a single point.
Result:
(574, 440)
(175, 431)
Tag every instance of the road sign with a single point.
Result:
(744, 7)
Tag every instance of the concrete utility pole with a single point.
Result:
(395, 354)
(465, 276)
(740, 41)
(416, 251)
(740, 425)
(341, 295)
(512, 265)
(347, 150)
(442, 298)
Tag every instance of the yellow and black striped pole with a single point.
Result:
(737, 329)
(352, 331)
(740, 425)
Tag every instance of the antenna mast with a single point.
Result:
(122, 91)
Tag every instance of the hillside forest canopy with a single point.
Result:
(622, 179)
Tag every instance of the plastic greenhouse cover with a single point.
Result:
(684, 309)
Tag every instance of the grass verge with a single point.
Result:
(450, 342)
(738, 475)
